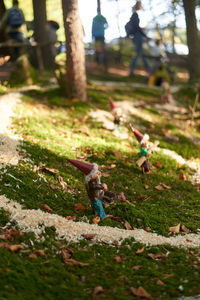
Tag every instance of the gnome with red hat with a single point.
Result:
(143, 140)
(117, 113)
(95, 189)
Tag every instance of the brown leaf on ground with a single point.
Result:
(5, 237)
(79, 206)
(185, 229)
(160, 255)
(50, 170)
(32, 255)
(84, 119)
(140, 292)
(165, 276)
(40, 164)
(150, 255)
(71, 218)
(22, 154)
(105, 174)
(62, 182)
(137, 267)
(158, 164)
(146, 187)
(54, 187)
(75, 262)
(141, 197)
(89, 236)
(34, 169)
(139, 220)
(65, 255)
(40, 253)
(4, 245)
(47, 207)
(118, 219)
(98, 289)
(122, 197)
(117, 259)
(175, 229)
(166, 186)
(159, 282)
(14, 232)
(148, 229)
(127, 225)
(112, 166)
(182, 177)
(140, 250)
(159, 187)
(96, 220)
(16, 248)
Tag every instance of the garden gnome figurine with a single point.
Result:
(145, 150)
(95, 189)
(117, 113)
(165, 97)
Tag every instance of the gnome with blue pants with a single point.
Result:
(95, 189)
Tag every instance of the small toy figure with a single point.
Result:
(95, 189)
(165, 97)
(117, 113)
(145, 150)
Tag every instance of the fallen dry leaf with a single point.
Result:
(16, 248)
(140, 250)
(47, 207)
(127, 225)
(54, 187)
(150, 255)
(89, 236)
(62, 182)
(84, 119)
(148, 229)
(117, 259)
(5, 237)
(105, 174)
(40, 164)
(22, 154)
(14, 232)
(40, 253)
(159, 187)
(71, 218)
(140, 292)
(146, 187)
(182, 177)
(34, 169)
(98, 289)
(160, 255)
(50, 170)
(137, 267)
(79, 206)
(96, 220)
(166, 186)
(185, 229)
(112, 166)
(159, 282)
(65, 255)
(175, 229)
(122, 197)
(32, 255)
(75, 262)
(141, 197)
(158, 164)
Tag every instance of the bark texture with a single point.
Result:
(193, 40)
(75, 62)
(41, 32)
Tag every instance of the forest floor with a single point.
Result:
(49, 246)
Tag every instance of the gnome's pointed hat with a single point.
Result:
(139, 136)
(88, 169)
(112, 104)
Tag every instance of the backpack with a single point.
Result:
(16, 18)
(129, 28)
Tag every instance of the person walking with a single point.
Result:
(13, 20)
(99, 24)
(138, 36)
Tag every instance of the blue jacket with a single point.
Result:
(99, 24)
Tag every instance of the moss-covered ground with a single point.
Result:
(54, 128)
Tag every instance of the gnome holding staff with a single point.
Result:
(95, 189)
(145, 149)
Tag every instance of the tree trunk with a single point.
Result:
(2, 11)
(75, 63)
(193, 40)
(41, 32)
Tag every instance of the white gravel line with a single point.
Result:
(8, 139)
(32, 220)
